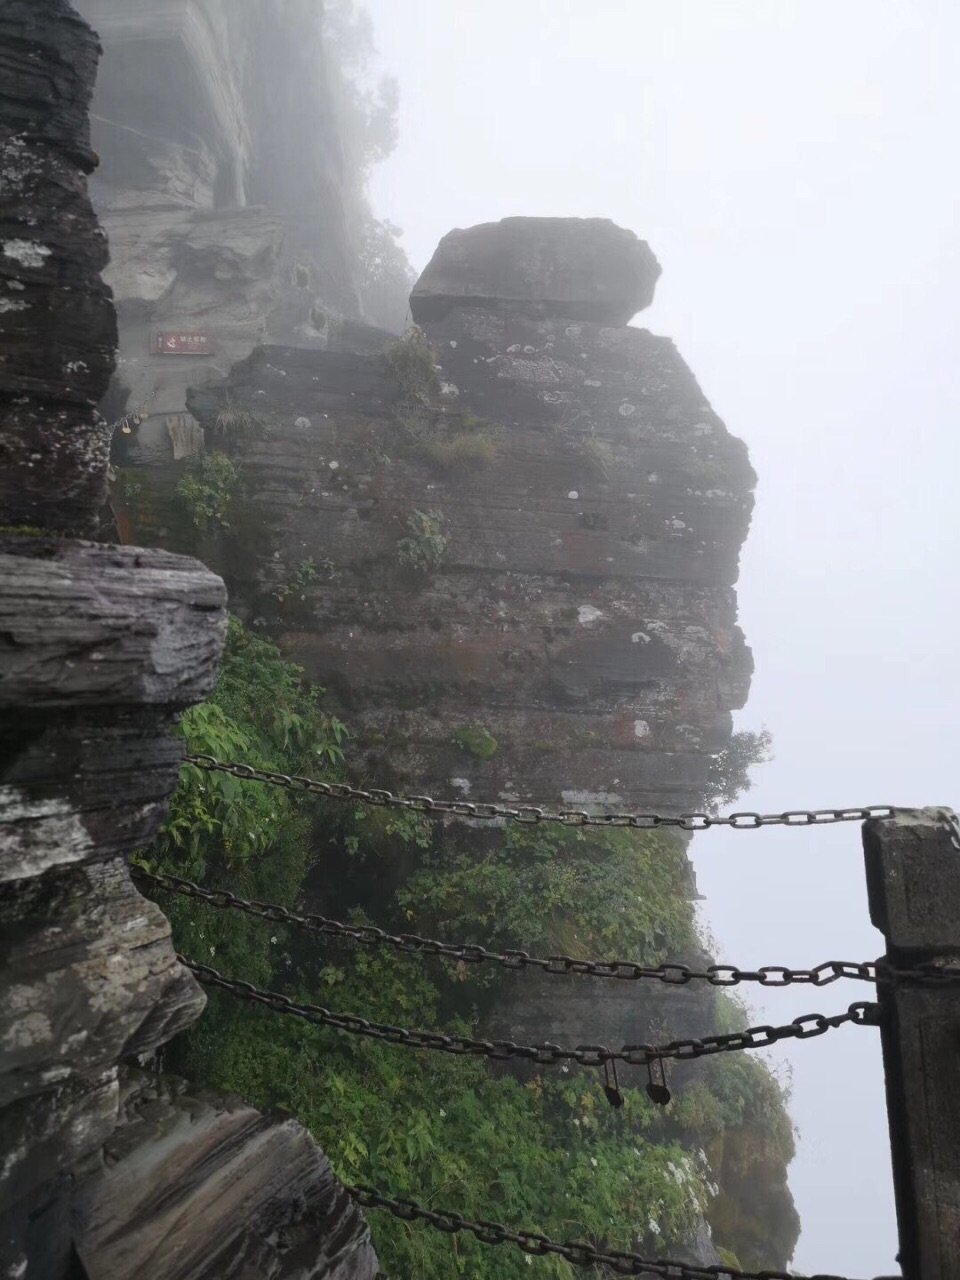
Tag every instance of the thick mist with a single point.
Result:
(788, 163)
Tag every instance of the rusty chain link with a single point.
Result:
(578, 1252)
(861, 1013)
(535, 814)
(677, 974)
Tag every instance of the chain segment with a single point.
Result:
(679, 975)
(861, 1013)
(538, 1245)
(535, 814)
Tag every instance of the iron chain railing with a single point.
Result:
(861, 1013)
(675, 974)
(577, 1252)
(535, 814)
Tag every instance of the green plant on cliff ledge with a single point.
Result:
(424, 549)
(475, 740)
(413, 363)
(544, 1151)
(251, 838)
(205, 490)
(584, 891)
(307, 573)
(234, 418)
(729, 775)
(449, 439)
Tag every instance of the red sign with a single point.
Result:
(178, 342)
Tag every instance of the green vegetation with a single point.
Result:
(729, 776)
(413, 363)
(307, 573)
(542, 1150)
(209, 483)
(574, 425)
(475, 740)
(234, 418)
(474, 443)
(589, 892)
(426, 545)
(448, 439)
(705, 471)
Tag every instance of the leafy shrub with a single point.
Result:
(205, 490)
(584, 889)
(546, 1152)
(475, 740)
(426, 546)
(307, 573)
(729, 774)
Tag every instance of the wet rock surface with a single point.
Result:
(181, 1161)
(57, 324)
(100, 648)
(573, 268)
(583, 614)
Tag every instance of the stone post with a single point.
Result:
(913, 881)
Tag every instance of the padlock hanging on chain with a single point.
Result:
(611, 1084)
(657, 1090)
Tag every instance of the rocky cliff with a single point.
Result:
(573, 638)
(507, 546)
(229, 193)
(105, 1172)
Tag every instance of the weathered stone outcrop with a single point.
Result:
(57, 325)
(222, 188)
(571, 268)
(280, 1213)
(582, 615)
(100, 648)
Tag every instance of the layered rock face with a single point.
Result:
(57, 326)
(221, 174)
(573, 268)
(575, 642)
(100, 648)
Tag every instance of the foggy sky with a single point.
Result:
(792, 165)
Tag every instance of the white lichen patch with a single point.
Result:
(641, 729)
(461, 784)
(573, 494)
(30, 1028)
(591, 799)
(29, 253)
(12, 304)
(640, 637)
(41, 834)
(588, 614)
(449, 390)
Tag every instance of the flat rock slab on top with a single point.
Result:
(581, 268)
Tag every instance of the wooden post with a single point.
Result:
(913, 882)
